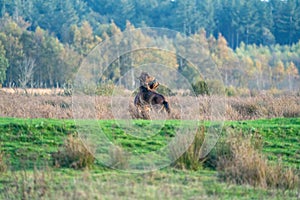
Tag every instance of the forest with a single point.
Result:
(253, 43)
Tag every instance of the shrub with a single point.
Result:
(230, 91)
(200, 88)
(216, 87)
(164, 90)
(67, 92)
(73, 154)
(109, 89)
(105, 89)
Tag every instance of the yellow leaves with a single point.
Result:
(258, 65)
(105, 36)
(248, 61)
(129, 26)
(86, 31)
(279, 68)
(145, 56)
(201, 38)
(278, 71)
(249, 65)
(292, 70)
(39, 34)
(115, 29)
(224, 53)
(83, 38)
(222, 43)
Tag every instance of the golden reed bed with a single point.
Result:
(46, 103)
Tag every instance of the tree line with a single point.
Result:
(263, 22)
(39, 59)
(254, 43)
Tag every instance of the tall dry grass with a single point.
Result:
(238, 158)
(73, 154)
(183, 107)
(118, 158)
(190, 159)
(263, 106)
(25, 185)
(241, 163)
(3, 164)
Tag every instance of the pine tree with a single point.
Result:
(287, 20)
(187, 16)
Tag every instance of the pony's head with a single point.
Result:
(148, 81)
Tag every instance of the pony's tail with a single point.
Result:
(167, 107)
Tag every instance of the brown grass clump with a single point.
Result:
(3, 165)
(191, 158)
(138, 114)
(73, 154)
(242, 163)
(25, 185)
(118, 158)
(280, 177)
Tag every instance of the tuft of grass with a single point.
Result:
(242, 163)
(73, 154)
(282, 177)
(3, 165)
(190, 160)
(139, 114)
(118, 158)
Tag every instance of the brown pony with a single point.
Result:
(147, 96)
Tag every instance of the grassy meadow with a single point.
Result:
(256, 155)
(29, 170)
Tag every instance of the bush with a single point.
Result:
(165, 91)
(73, 154)
(230, 91)
(211, 87)
(216, 87)
(200, 88)
(105, 89)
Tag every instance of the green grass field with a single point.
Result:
(29, 143)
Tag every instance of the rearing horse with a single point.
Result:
(147, 96)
